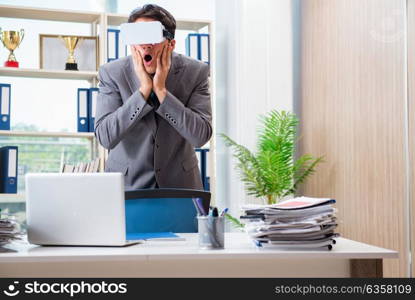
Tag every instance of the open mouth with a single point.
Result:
(148, 58)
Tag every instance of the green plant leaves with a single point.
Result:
(234, 221)
(272, 172)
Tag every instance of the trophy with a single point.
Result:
(70, 43)
(11, 40)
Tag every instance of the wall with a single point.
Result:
(254, 75)
(411, 120)
(354, 112)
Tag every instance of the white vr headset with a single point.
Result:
(144, 33)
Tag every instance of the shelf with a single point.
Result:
(12, 198)
(191, 24)
(51, 74)
(89, 135)
(22, 12)
(181, 24)
(100, 22)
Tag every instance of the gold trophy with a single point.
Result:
(70, 43)
(11, 40)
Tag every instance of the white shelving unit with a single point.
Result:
(51, 74)
(89, 135)
(99, 24)
(12, 198)
(21, 12)
(181, 24)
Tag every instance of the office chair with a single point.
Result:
(163, 210)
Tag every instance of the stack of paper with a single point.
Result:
(296, 223)
(9, 230)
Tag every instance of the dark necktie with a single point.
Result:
(154, 100)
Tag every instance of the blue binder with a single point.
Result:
(192, 45)
(92, 104)
(113, 44)
(8, 169)
(83, 123)
(5, 95)
(202, 157)
(204, 47)
(198, 46)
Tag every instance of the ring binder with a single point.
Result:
(92, 104)
(8, 170)
(5, 95)
(83, 123)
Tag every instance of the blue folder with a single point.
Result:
(92, 104)
(198, 46)
(192, 45)
(204, 47)
(202, 157)
(83, 122)
(5, 94)
(113, 44)
(162, 211)
(8, 169)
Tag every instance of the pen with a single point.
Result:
(197, 207)
(212, 219)
(257, 243)
(224, 212)
(200, 205)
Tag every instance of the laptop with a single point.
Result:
(76, 209)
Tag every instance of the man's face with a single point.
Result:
(150, 52)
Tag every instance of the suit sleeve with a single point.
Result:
(193, 121)
(113, 118)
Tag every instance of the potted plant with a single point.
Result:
(273, 173)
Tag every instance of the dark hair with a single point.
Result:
(157, 13)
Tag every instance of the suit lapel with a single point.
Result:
(134, 85)
(130, 75)
(175, 69)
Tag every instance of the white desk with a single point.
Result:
(183, 259)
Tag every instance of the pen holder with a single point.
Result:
(211, 232)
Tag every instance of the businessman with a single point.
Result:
(153, 109)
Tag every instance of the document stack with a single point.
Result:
(296, 223)
(9, 230)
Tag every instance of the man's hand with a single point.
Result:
(163, 67)
(145, 80)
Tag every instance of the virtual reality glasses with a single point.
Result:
(144, 33)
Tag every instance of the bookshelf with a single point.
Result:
(99, 23)
(21, 12)
(181, 24)
(89, 135)
(50, 74)
(12, 198)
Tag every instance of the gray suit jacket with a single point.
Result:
(154, 146)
